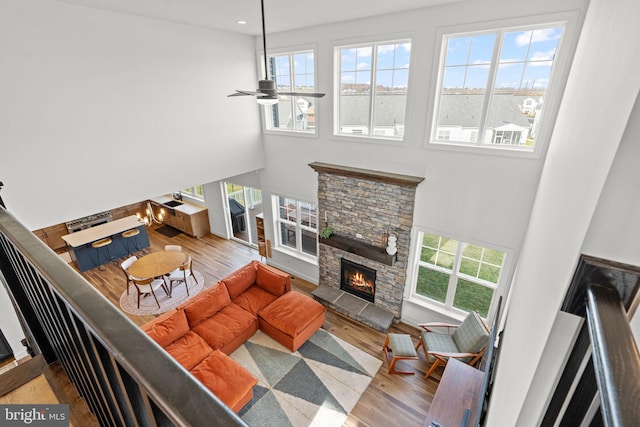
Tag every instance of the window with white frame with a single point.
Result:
(195, 192)
(372, 94)
(296, 225)
(456, 275)
(292, 72)
(492, 86)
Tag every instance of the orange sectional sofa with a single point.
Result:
(203, 331)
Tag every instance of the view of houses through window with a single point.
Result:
(457, 275)
(292, 72)
(372, 94)
(493, 85)
(296, 225)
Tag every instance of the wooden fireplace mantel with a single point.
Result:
(387, 177)
(357, 247)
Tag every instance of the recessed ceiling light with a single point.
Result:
(241, 21)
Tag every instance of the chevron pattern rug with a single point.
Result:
(317, 385)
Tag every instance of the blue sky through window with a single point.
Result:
(525, 60)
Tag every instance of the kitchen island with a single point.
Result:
(86, 257)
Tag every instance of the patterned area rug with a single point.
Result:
(129, 303)
(317, 385)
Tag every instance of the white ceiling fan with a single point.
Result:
(266, 93)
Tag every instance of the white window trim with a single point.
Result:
(555, 90)
(413, 267)
(297, 252)
(262, 73)
(363, 41)
(193, 195)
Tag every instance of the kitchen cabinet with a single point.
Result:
(52, 236)
(189, 218)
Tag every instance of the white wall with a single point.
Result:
(599, 98)
(101, 109)
(610, 236)
(474, 196)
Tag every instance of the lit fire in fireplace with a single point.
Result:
(358, 280)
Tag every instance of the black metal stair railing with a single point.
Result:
(124, 376)
(600, 383)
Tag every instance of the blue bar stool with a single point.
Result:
(99, 244)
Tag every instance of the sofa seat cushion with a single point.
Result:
(228, 325)
(227, 379)
(238, 281)
(206, 304)
(189, 350)
(292, 319)
(167, 328)
(254, 299)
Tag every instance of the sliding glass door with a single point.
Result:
(244, 204)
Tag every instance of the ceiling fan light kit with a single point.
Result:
(266, 94)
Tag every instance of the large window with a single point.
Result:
(372, 94)
(457, 275)
(296, 225)
(492, 86)
(292, 72)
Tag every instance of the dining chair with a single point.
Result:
(149, 286)
(173, 248)
(181, 274)
(124, 265)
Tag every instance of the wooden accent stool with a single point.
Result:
(402, 348)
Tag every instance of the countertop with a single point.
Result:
(186, 207)
(92, 234)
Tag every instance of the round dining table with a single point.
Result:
(157, 264)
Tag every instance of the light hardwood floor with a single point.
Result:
(389, 400)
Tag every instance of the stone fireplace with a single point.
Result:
(364, 207)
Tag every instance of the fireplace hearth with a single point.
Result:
(358, 280)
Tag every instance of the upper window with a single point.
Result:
(296, 225)
(195, 192)
(372, 94)
(492, 86)
(292, 72)
(457, 275)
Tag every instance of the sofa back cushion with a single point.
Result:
(241, 279)
(169, 329)
(274, 281)
(208, 303)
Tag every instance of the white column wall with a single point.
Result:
(599, 97)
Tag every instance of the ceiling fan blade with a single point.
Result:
(303, 94)
(243, 93)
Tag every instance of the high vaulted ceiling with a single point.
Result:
(280, 15)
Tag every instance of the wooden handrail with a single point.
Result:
(615, 356)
